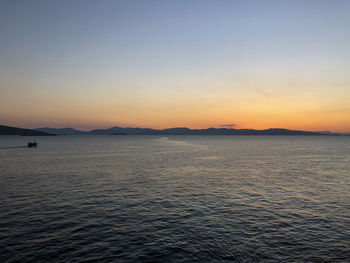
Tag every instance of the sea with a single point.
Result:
(175, 199)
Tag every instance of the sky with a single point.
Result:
(160, 64)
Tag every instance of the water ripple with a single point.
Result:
(176, 199)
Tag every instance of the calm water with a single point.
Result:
(175, 199)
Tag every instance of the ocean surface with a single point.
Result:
(175, 199)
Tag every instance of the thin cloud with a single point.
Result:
(230, 126)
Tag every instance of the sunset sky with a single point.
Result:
(160, 64)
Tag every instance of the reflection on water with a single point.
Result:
(175, 199)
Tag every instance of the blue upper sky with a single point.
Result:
(139, 58)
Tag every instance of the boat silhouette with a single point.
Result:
(32, 144)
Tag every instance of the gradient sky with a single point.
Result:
(255, 64)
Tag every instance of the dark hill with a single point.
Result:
(8, 130)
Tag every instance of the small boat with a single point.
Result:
(32, 144)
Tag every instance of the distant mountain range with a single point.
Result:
(178, 131)
(7, 130)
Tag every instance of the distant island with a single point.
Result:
(179, 131)
(7, 130)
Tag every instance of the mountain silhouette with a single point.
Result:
(176, 131)
(8, 130)
(46, 131)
